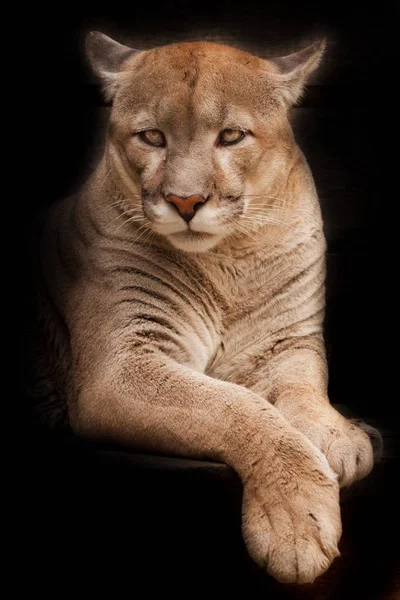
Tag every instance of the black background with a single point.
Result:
(84, 521)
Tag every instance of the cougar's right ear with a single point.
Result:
(106, 57)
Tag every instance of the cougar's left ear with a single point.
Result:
(106, 57)
(294, 69)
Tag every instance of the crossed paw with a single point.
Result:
(291, 511)
(349, 445)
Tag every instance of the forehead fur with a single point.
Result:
(189, 55)
(213, 73)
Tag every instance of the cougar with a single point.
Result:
(181, 291)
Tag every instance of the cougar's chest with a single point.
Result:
(248, 290)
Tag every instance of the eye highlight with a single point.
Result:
(228, 137)
(153, 137)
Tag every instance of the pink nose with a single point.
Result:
(186, 205)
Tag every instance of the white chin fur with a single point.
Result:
(194, 245)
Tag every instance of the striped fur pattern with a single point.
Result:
(205, 339)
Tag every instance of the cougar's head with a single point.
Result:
(199, 134)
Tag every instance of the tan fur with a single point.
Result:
(208, 346)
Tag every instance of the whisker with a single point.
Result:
(255, 215)
(107, 174)
(124, 201)
(266, 205)
(150, 234)
(126, 212)
(262, 208)
(243, 229)
(130, 220)
(267, 219)
(142, 233)
(262, 196)
(265, 209)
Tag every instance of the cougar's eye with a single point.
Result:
(152, 137)
(228, 137)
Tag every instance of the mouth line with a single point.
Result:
(194, 234)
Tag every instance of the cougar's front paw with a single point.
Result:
(291, 514)
(374, 437)
(350, 453)
(348, 446)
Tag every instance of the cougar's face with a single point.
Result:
(197, 134)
